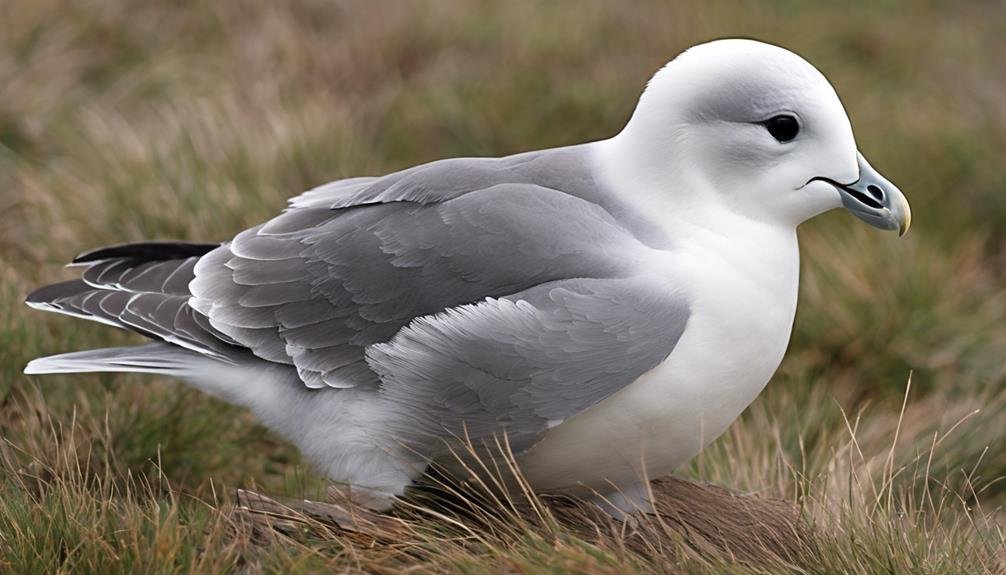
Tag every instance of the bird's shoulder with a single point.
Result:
(567, 170)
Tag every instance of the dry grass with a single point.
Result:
(883, 495)
(131, 120)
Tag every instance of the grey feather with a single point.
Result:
(350, 264)
(522, 363)
(149, 358)
(140, 296)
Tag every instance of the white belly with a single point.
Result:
(735, 339)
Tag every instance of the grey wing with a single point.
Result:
(527, 362)
(143, 288)
(315, 286)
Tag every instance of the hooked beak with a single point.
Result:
(875, 200)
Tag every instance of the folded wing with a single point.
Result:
(527, 362)
(351, 264)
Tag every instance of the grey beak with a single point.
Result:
(875, 200)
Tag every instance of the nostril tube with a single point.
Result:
(876, 192)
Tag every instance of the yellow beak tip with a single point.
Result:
(907, 221)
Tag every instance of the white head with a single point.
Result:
(756, 129)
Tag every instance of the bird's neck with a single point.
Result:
(688, 212)
(680, 199)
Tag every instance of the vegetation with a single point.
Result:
(128, 120)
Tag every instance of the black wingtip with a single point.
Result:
(52, 292)
(147, 251)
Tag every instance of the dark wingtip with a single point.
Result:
(146, 251)
(52, 292)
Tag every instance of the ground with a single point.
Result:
(123, 121)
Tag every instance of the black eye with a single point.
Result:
(783, 127)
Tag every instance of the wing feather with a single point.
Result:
(519, 364)
(323, 284)
(350, 264)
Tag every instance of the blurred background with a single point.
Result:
(131, 120)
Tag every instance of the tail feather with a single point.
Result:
(149, 358)
(254, 384)
(144, 288)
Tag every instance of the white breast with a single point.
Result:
(743, 291)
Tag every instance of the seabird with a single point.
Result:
(609, 307)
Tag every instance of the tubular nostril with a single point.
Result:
(876, 192)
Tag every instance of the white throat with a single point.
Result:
(671, 192)
(696, 222)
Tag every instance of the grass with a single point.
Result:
(123, 121)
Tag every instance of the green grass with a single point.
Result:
(124, 121)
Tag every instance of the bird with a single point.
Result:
(609, 307)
